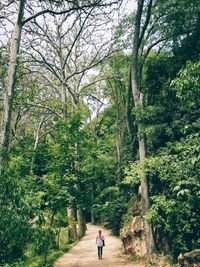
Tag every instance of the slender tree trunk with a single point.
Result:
(47, 240)
(92, 198)
(18, 117)
(81, 223)
(11, 80)
(80, 214)
(149, 237)
(150, 243)
(37, 136)
(58, 240)
(63, 87)
(129, 105)
(138, 101)
(64, 99)
(118, 142)
(34, 151)
(71, 214)
(92, 217)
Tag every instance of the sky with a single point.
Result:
(128, 6)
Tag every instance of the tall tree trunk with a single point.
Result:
(81, 222)
(129, 105)
(138, 101)
(80, 214)
(34, 152)
(58, 239)
(71, 211)
(92, 198)
(11, 80)
(64, 99)
(118, 143)
(71, 214)
(92, 217)
(47, 243)
(37, 136)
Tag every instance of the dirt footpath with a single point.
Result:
(84, 254)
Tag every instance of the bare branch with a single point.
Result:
(148, 16)
(75, 7)
(44, 107)
(77, 36)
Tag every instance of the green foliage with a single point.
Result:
(44, 238)
(111, 212)
(187, 85)
(39, 200)
(16, 212)
(31, 259)
(132, 174)
(175, 193)
(124, 33)
(95, 164)
(3, 70)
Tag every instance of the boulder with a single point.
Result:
(190, 259)
(132, 236)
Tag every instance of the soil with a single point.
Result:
(84, 254)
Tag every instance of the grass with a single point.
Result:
(32, 260)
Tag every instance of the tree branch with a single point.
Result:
(77, 36)
(44, 107)
(148, 16)
(74, 8)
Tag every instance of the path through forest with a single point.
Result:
(84, 254)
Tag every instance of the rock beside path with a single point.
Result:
(190, 259)
(133, 237)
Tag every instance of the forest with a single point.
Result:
(100, 123)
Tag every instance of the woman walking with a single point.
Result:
(100, 241)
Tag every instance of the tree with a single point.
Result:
(16, 38)
(147, 34)
(138, 101)
(11, 79)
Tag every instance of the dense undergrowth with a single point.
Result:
(33, 258)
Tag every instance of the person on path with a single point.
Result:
(100, 241)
